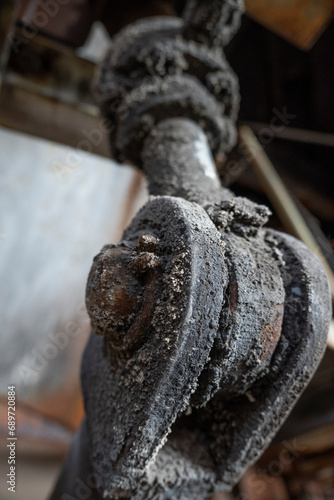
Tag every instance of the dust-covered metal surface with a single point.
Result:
(207, 325)
(206, 385)
(178, 161)
(155, 71)
(148, 385)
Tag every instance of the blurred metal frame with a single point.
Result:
(46, 90)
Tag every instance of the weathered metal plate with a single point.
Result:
(238, 430)
(301, 22)
(131, 403)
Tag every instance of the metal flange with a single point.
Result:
(133, 397)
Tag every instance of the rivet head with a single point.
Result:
(146, 243)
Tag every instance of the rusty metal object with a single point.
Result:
(265, 342)
(32, 108)
(154, 71)
(147, 388)
(120, 293)
(210, 325)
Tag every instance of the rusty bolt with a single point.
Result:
(119, 295)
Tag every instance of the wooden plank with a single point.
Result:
(51, 119)
(301, 22)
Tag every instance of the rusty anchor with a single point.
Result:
(207, 325)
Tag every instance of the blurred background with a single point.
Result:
(62, 198)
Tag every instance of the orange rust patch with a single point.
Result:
(123, 303)
(270, 334)
(233, 292)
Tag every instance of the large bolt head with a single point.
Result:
(117, 291)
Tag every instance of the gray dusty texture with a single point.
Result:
(152, 73)
(131, 402)
(250, 321)
(212, 22)
(208, 326)
(242, 427)
(239, 324)
(178, 162)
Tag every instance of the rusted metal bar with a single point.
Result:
(177, 161)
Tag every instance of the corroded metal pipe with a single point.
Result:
(177, 161)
